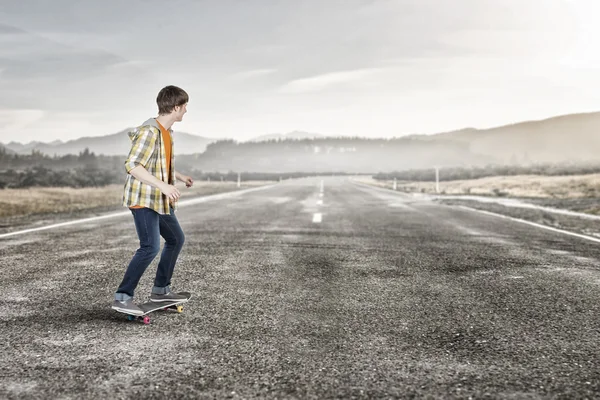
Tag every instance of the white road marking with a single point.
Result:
(78, 221)
(320, 194)
(317, 218)
(428, 197)
(124, 213)
(482, 199)
(508, 202)
(319, 202)
(593, 239)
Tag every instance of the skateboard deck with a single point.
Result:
(151, 306)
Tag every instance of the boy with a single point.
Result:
(151, 196)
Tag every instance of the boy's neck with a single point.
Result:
(166, 121)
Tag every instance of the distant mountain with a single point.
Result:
(115, 144)
(572, 138)
(295, 135)
(565, 138)
(25, 148)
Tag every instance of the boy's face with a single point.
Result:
(179, 111)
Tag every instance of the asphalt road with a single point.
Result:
(386, 297)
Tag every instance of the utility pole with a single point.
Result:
(437, 179)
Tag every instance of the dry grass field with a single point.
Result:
(24, 202)
(520, 186)
(577, 193)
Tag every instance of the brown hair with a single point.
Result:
(170, 97)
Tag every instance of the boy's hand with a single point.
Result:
(171, 192)
(188, 180)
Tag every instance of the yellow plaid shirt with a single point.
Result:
(147, 150)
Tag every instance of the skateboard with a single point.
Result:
(151, 306)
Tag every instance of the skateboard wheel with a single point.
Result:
(179, 309)
(130, 317)
(146, 320)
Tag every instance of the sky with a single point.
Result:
(369, 68)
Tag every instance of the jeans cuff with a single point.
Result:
(122, 296)
(161, 290)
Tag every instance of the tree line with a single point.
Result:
(462, 173)
(384, 159)
(90, 170)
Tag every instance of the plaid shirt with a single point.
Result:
(147, 150)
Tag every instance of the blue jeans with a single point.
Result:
(150, 226)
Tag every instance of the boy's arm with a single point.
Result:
(142, 146)
(140, 173)
(184, 178)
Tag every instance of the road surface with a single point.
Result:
(312, 288)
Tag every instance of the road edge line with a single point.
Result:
(579, 235)
(184, 203)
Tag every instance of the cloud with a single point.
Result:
(21, 125)
(15, 120)
(323, 81)
(27, 55)
(132, 64)
(255, 73)
(265, 66)
(39, 72)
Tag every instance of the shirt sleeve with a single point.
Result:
(142, 147)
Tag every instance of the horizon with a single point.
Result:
(321, 135)
(356, 68)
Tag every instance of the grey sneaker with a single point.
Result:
(171, 296)
(127, 306)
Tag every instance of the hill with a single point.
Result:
(114, 144)
(571, 139)
(566, 138)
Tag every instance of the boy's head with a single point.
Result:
(172, 98)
